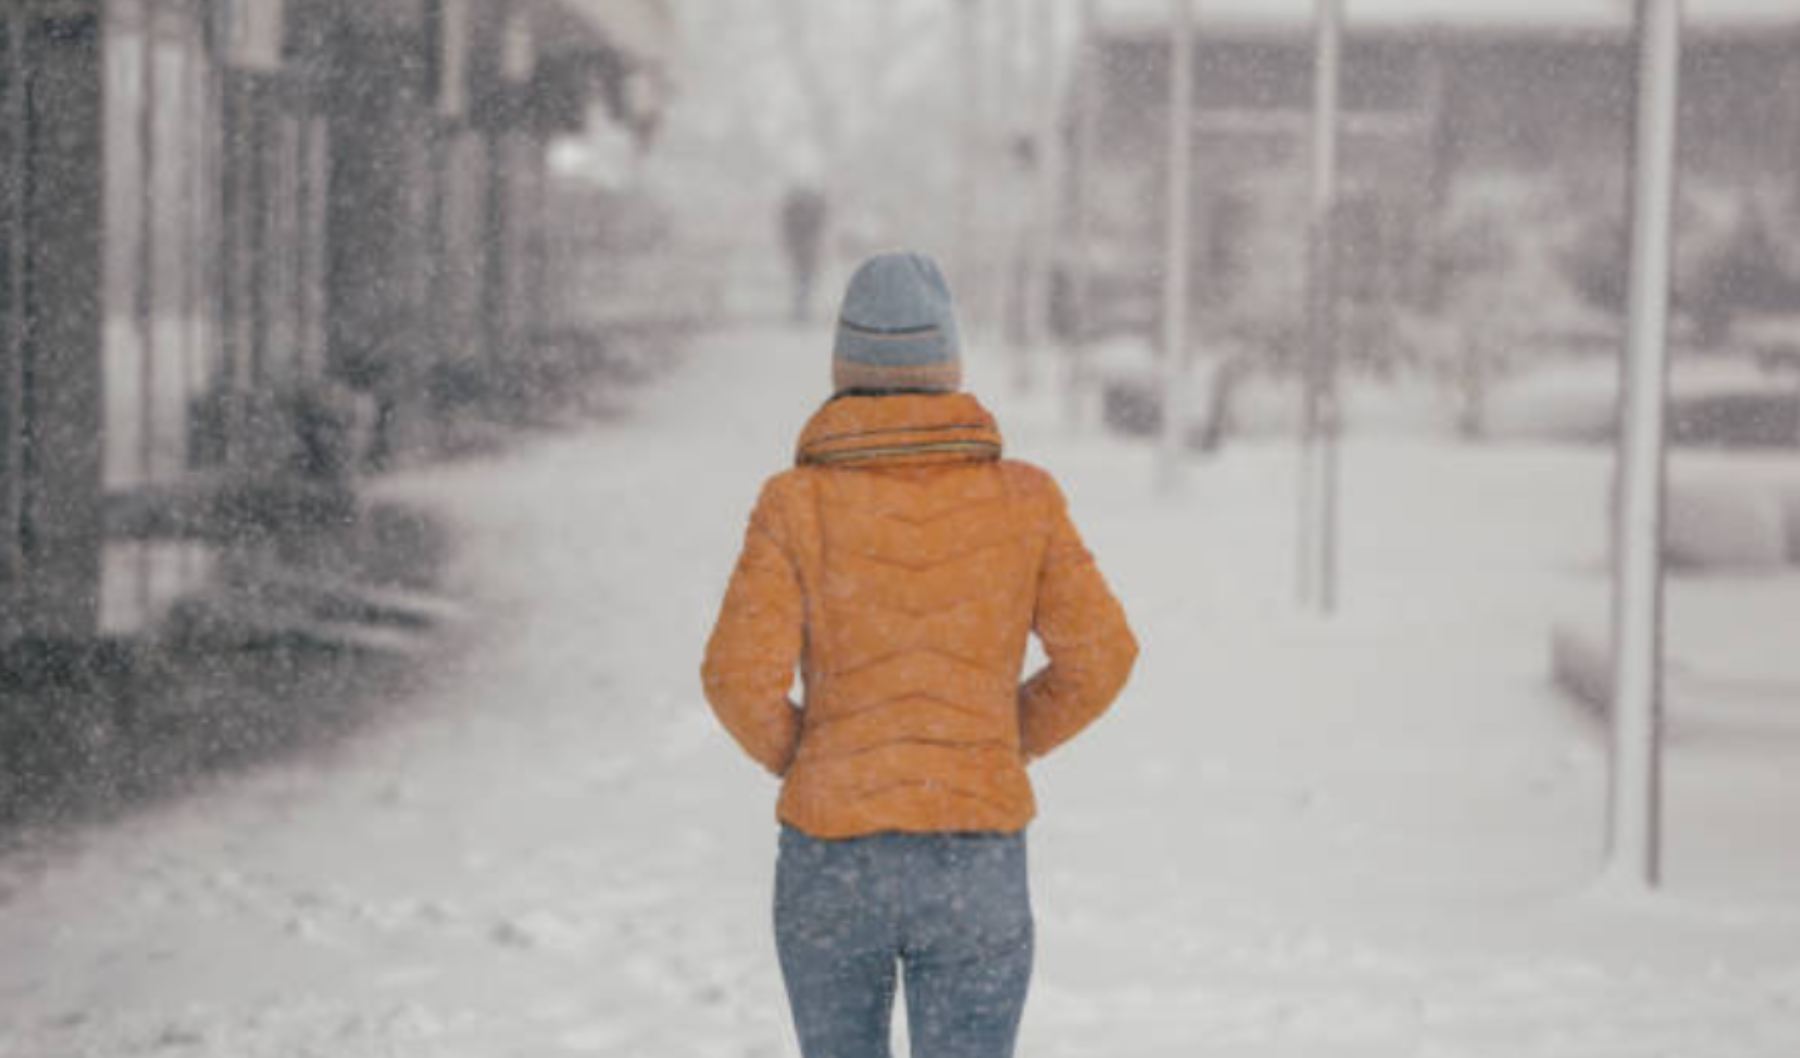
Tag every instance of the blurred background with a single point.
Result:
(310, 236)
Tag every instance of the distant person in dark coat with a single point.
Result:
(804, 211)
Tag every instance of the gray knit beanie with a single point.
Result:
(897, 329)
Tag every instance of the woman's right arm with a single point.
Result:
(756, 643)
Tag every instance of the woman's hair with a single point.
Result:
(869, 391)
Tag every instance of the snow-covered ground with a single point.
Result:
(1373, 835)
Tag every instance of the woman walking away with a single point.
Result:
(902, 564)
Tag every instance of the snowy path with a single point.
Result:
(1293, 838)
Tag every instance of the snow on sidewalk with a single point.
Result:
(1372, 835)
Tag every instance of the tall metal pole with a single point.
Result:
(12, 327)
(1007, 90)
(1635, 805)
(968, 149)
(1041, 230)
(1086, 84)
(1319, 426)
(1176, 245)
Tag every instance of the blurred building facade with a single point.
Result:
(229, 228)
(1455, 116)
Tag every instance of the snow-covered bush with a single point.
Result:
(1497, 295)
(1711, 240)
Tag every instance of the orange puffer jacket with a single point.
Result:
(902, 565)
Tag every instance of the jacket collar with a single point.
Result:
(903, 429)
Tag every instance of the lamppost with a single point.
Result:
(1635, 801)
(1173, 363)
(1320, 422)
(1085, 84)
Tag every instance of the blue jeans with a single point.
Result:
(953, 909)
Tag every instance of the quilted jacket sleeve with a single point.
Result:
(756, 642)
(1085, 637)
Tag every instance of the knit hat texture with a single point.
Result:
(897, 329)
